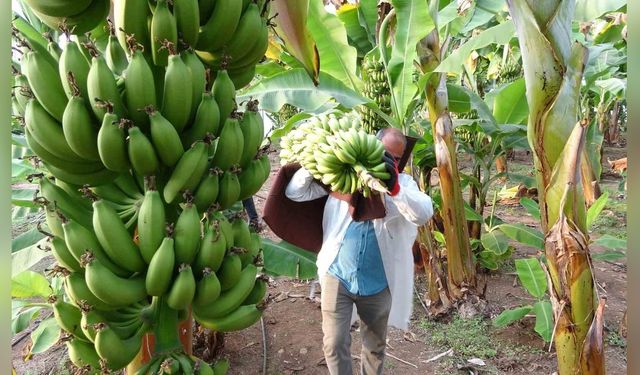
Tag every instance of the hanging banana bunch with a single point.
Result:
(376, 88)
(144, 150)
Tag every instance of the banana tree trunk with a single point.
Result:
(553, 69)
(461, 271)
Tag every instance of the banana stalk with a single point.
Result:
(553, 69)
(461, 269)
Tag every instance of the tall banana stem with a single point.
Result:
(460, 265)
(553, 68)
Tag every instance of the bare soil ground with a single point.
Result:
(292, 339)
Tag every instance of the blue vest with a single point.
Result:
(358, 264)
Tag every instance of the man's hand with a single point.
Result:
(392, 168)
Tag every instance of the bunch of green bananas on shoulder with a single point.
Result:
(336, 153)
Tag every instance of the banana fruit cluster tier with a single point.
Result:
(338, 152)
(145, 151)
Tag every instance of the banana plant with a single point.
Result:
(553, 70)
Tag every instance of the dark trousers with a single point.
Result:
(250, 207)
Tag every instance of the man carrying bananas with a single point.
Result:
(366, 263)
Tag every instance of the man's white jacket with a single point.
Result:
(396, 233)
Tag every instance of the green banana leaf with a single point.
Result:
(349, 15)
(500, 34)
(483, 12)
(413, 23)
(588, 10)
(510, 104)
(509, 316)
(290, 19)
(337, 56)
(285, 259)
(296, 88)
(544, 319)
(532, 276)
(368, 16)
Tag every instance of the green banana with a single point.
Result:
(140, 87)
(258, 292)
(79, 23)
(73, 61)
(67, 204)
(229, 190)
(53, 48)
(102, 87)
(187, 234)
(21, 91)
(239, 319)
(221, 26)
(141, 153)
(99, 177)
(207, 190)
(183, 289)
(128, 184)
(205, 8)
(206, 120)
(212, 250)
(112, 146)
(252, 248)
(231, 299)
(165, 138)
(79, 240)
(83, 354)
(241, 233)
(130, 19)
(245, 35)
(110, 288)
(176, 99)
(208, 288)
(252, 128)
(160, 271)
(185, 168)
(225, 228)
(198, 79)
(251, 179)
(242, 77)
(115, 239)
(151, 223)
(255, 54)
(76, 288)
(78, 127)
(117, 352)
(230, 145)
(48, 133)
(188, 20)
(45, 83)
(115, 55)
(63, 255)
(230, 270)
(163, 28)
(68, 317)
(75, 191)
(224, 92)
(90, 316)
(59, 8)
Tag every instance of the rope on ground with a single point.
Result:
(401, 360)
(264, 347)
